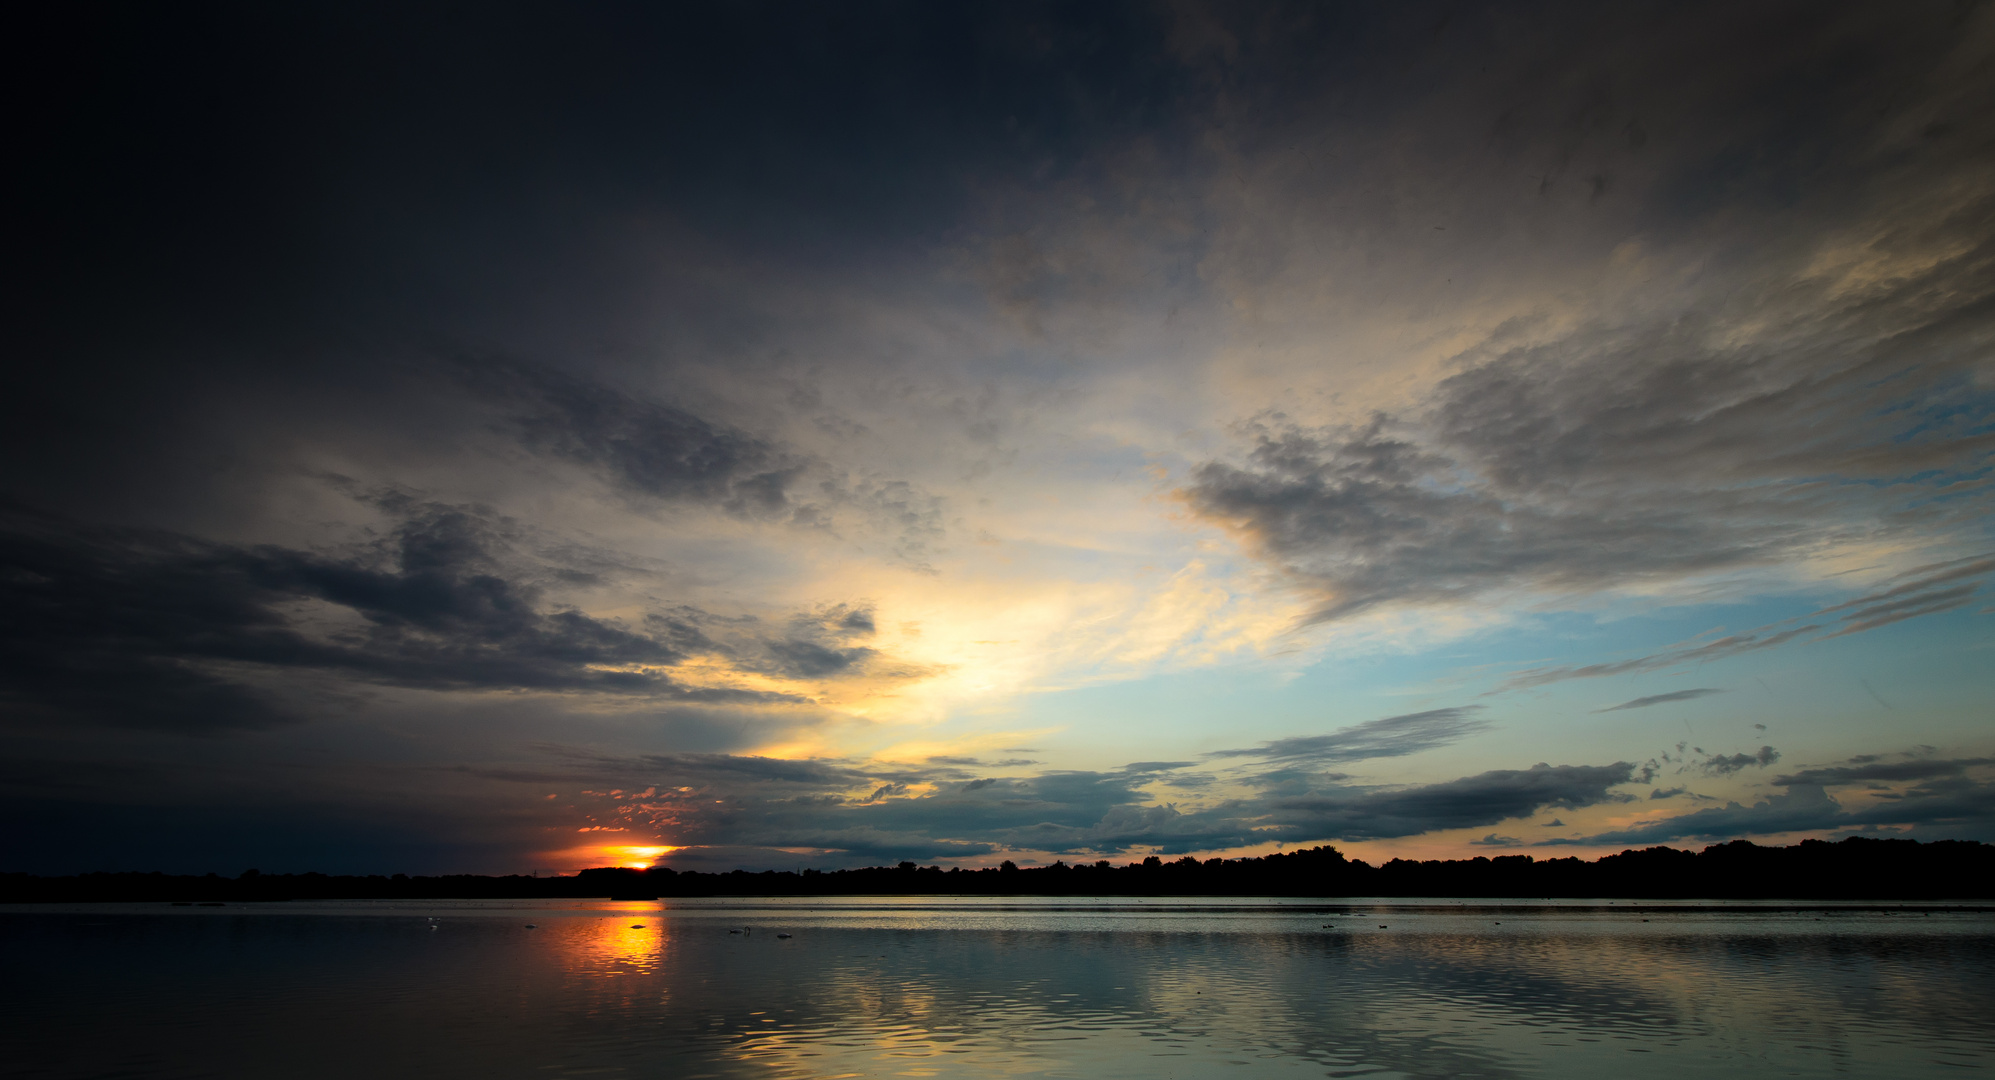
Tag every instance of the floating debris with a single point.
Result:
(782, 935)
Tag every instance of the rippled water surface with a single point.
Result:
(1014, 988)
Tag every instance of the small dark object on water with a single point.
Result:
(782, 935)
(533, 926)
(637, 926)
(734, 931)
(1381, 926)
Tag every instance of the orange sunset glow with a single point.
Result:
(632, 856)
(637, 857)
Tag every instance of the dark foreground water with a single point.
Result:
(994, 988)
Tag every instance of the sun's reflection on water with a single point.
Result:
(623, 939)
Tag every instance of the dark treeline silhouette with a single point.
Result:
(1858, 868)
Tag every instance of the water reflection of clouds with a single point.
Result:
(876, 991)
(1192, 991)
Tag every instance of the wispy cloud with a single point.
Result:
(1907, 600)
(1662, 699)
(1391, 736)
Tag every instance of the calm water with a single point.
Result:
(993, 988)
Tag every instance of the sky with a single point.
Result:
(516, 438)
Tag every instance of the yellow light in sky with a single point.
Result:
(637, 858)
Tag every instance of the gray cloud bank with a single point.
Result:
(150, 629)
(1942, 799)
(765, 804)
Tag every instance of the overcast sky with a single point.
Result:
(501, 438)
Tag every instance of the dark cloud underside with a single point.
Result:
(150, 629)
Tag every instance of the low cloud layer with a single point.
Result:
(1940, 798)
(852, 811)
(149, 629)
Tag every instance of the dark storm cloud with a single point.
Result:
(152, 629)
(1391, 736)
(1662, 699)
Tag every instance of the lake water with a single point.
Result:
(919, 987)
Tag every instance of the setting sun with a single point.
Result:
(637, 858)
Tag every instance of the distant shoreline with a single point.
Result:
(1854, 869)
